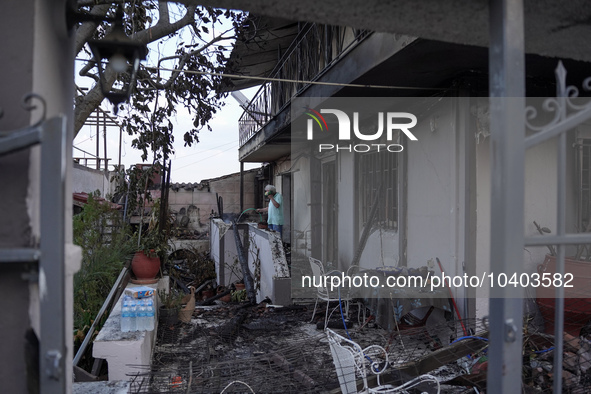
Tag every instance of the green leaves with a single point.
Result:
(159, 93)
(106, 245)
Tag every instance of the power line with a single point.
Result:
(208, 157)
(194, 153)
(265, 79)
(269, 79)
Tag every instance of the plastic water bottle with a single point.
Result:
(141, 315)
(133, 314)
(125, 315)
(149, 314)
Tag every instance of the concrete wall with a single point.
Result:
(127, 353)
(540, 203)
(347, 209)
(431, 192)
(301, 241)
(266, 260)
(441, 219)
(224, 253)
(229, 189)
(37, 54)
(199, 199)
(88, 180)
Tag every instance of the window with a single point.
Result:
(375, 169)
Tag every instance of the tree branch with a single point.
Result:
(163, 14)
(162, 28)
(200, 100)
(85, 72)
(87, 29)
(90, 101)
(182, 61)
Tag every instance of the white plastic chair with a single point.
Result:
(323, 292)
(351, 362)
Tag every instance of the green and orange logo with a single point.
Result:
(316, 115)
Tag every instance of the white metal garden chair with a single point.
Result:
(351, 362)
(323, 292)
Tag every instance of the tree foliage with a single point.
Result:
(200, 38)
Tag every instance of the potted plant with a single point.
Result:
(152, 245)
(239, 295)
(170, 305)
(239, 285)
(222, 289)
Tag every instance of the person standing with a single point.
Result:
(274, 210)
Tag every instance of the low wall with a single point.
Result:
(193, 203)
(88, 180)
(125, 351)
(266, 260)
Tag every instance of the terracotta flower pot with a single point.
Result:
(207, 293)
(145, 267)
(239, 286)
(227, 297)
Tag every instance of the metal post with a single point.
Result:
(560, 232)
(53, 351)
(120, 143)
(105, 140)
(241, 186)
(98, 138)
(507, 115)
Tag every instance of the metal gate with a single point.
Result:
(508, 144)
(50, 257)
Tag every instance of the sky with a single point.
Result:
(216, 153)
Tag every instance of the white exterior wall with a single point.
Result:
(347, 209)
(436, 202)
(88, 180)
(540, 205)
(436, 198)
(300, 208)
(433, 166)
(431, 193)
(265, 247)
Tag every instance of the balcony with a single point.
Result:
(314, 50)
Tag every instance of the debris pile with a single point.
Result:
(576, 363)
(276, 349)
(270, 348)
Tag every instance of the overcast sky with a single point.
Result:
(215, 155)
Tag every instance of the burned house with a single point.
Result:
(434, 194)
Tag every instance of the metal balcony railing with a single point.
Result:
(314, 49)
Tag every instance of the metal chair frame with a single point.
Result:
(351, 361)
(323, 292)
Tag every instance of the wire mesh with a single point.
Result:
(276, 350)
(272, 350)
